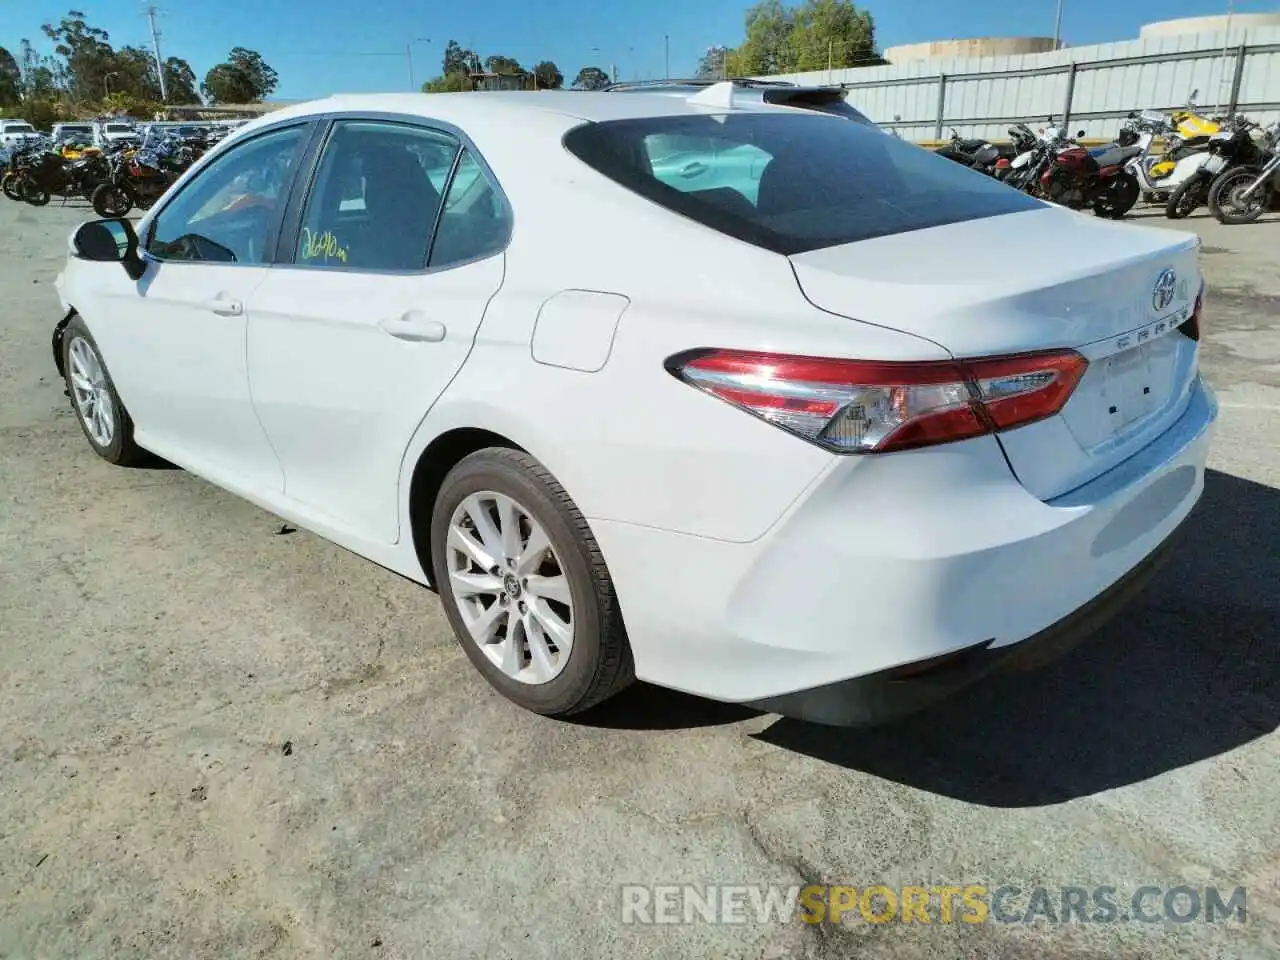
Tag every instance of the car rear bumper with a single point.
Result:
(886, 562)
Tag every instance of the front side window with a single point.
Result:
(376, 196)
(789, 182)
(225, 214)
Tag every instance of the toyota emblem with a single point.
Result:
(1165, 289)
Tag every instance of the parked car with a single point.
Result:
(116, 131)
(807, 443)
(73, 133)
(14, 133)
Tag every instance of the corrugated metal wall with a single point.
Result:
(981, 97)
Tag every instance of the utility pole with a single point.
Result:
(1057, 28)
(1226, 42)
(408, 52)
(155, 45)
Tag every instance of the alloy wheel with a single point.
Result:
(90, 391)
(510, 587)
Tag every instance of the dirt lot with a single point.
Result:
(218, 739)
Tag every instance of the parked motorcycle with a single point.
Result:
(1080, 178)
(1241, 194)
(1233, 147)
(51, 174)
(139, 177)
(976, 153)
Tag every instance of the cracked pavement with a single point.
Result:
(162, 641)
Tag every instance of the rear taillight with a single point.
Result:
(1190, 327)
(860, 406)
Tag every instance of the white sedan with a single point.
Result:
(742, 400)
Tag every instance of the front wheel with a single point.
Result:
(525, 586)
(1184, 201)
(1226, 196)
(112, 200)
(34, 195)
(101, 413)
(1118, 198)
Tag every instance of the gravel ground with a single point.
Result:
(221, 739)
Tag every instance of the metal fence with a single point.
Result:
(1094, 87)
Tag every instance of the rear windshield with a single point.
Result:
(790, 182)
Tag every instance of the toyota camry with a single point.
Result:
(736, 398)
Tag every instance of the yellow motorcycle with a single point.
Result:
(1191, 133)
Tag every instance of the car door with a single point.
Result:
(352, 341)
(175, 339)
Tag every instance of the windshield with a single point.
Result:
(119, 128)
(19, 128)
(790, 182)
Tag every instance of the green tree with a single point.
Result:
(133, 73)
(765, 49)
(506, 66)
(713, 61)
(548, 76)
(811, 36)
(591, 78)
(87, 52)
(180, 81)
(458, 59)
(10, 79)
(225, 83)
(456, 81)
(830, 33)
(260, 74)
(244, 78)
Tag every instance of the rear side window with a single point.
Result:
(790, 182)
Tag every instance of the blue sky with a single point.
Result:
(325, 46)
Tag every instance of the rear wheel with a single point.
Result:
(525, 586)
(1227, 201)
(1184, 201)
(112, 200)
(1118, 199)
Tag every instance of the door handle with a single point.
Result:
(414, 327)
(691, 170)
(223, 306)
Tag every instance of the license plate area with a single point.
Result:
(1134, 384)
(1123, 391)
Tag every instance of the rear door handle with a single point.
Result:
(224, 306)
(691, 170)
(414, 327)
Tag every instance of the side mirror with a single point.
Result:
(110, 241)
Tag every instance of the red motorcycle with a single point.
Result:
(1080, 178)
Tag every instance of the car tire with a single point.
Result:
(98, 408)
(519, 646)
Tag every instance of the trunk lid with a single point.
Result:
(1033, 281)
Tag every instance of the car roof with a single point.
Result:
(556, 107)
